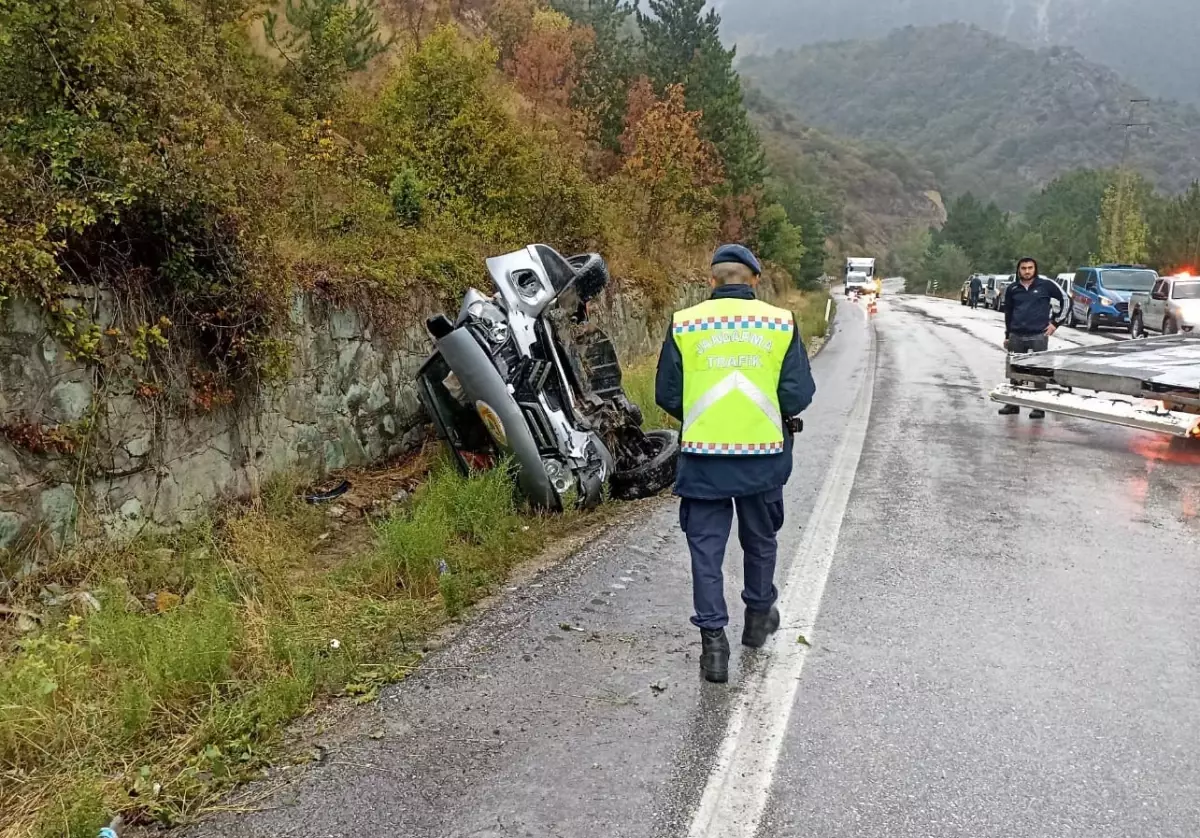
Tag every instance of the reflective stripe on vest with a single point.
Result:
(733, 353)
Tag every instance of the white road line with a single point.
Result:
(737, 791)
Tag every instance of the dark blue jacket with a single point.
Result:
(1027, 311)
(713, 477)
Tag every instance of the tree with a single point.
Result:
(908, 257)
(1123, 228)
(981, 231)
(324, 41)
(669, 168)
(1067, 214)
(683, 46)
(780, 241)
(1175, 243)
(606, 67)
(544, 66)
(947, 268)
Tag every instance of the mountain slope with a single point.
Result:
(983, 113)
(872, 192)
(1150, 42)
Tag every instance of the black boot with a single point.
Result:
(759, 625)
(1037, 414)
(714, 655)
(1009, 410)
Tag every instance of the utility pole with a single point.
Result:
(1123, 179)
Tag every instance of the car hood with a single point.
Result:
(1117, 296)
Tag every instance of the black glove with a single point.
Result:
(794, 424)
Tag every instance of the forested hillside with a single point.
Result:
(985, 114)
(1150, 42)
(859, 196)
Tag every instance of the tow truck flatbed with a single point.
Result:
(1152, 384)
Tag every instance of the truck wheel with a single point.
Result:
(1136, 328)
(1092, 325)
(652, 476)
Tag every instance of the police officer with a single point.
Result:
(735, 372)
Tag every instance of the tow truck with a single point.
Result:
(1151, 384)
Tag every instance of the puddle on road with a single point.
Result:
(1169, 465)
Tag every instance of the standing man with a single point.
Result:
(735, 372)
(976, 290)
(1028, 317)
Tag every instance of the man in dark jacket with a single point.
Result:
(733, 370)
(1029, 317)
(975, 290)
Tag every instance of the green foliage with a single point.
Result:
(1066, 213)
(608, 68)
(982, 233)
(1175, 223)
(325, 40)
(1123, 228)
(940, 272)
(407, 192)
(907, 258)
(443, 113)
(683, 46)
(122, 167)
(204, 645)
(780, 241)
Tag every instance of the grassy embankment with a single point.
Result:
(170, 667)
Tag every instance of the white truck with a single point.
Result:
(1172, 306)
(860, 275)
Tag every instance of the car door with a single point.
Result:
(1081, 296)
(1156, 306)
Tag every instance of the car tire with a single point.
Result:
(1072, 322)
(1092, 325)
(652, 476)
(1137, 329)
(1170, 327)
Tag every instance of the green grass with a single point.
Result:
(154, 710)
(208, 642)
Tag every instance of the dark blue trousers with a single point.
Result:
(707, 524)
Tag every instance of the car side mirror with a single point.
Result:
(1158, 295)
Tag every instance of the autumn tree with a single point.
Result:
(544, 66)
(669, 169)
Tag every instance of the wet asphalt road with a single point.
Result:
(1008, 643)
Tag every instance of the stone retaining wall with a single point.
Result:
(349, 400)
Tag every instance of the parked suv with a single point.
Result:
(1172, 306)
(993, 290)
(1100, 295)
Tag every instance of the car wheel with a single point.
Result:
(652, 476)
(1092, 325)
(1136, 328)
(1170, 327)
(1071, 321)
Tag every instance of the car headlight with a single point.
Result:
(1105, 301)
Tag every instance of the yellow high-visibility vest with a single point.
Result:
(733, 353)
